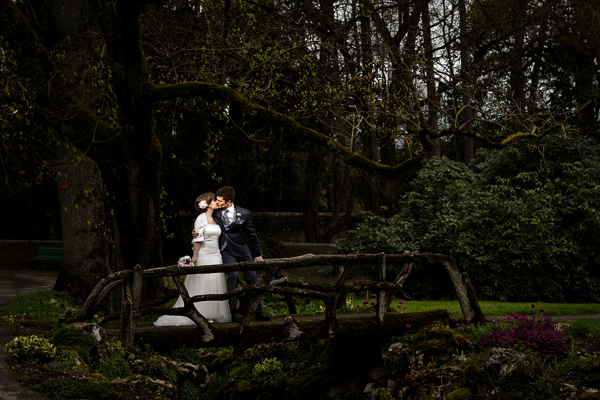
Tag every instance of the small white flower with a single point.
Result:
(203, 204)
(239, 215)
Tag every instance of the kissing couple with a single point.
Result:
(218, 238)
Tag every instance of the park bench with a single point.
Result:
(48, 253)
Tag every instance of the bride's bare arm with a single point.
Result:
(196, 247)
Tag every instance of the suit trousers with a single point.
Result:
(233, 278)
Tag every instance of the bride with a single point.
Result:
(206, 252)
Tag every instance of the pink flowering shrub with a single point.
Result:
(541, 335)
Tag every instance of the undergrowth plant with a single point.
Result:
(116, 367)
(216, 382)
(42, 309)
(284, 351)
(30, 348)
(186, 354)
(72, 389)
(562, 367)
(67, 338)
(268, 373)
(187, 391)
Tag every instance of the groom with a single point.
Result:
(234, 222)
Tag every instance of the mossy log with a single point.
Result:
(292, 328)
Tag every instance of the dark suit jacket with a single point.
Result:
(234, 233)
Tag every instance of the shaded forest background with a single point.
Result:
(332, 106)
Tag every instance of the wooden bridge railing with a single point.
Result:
(131, 283)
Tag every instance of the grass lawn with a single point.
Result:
(497, 307)
(357, 304)
(45, 307)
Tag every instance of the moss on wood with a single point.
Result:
(459, 394)
(308, 329)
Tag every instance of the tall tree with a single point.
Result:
(81, 190)
(432, 95)
(464, 66)
(85, 240)
(265, 81)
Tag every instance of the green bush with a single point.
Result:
(187, 391)
(31, 379)
(521, 233)
(216, 382)
(72, 389)
(68, 338)
(588, 369)
(269, 373)
(155, 367)
(30, 348)
(186, 354)
(116, 367)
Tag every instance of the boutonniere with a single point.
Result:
(238, 216)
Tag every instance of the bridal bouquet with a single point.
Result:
(185, 262)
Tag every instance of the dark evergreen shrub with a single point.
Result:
(521, 232)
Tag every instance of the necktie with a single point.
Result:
(226, 218)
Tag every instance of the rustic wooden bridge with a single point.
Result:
(130, 282)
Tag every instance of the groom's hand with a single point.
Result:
(257, 259)
(195, 234)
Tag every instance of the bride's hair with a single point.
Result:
(208, 197)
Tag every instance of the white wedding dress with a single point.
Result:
(209, 254)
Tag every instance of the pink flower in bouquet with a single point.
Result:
(185, 262)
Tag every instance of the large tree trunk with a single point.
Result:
(80, 190)
(517, 69)
(85, 244)
(315, 230)
(368, 136)
(312, 194)
(585, 63)
(432, 98)
(390, 186)
(402, 80)
(133, 167)
(464, 65)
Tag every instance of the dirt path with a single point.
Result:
(16, 282)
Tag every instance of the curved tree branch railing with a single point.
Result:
(131, 282)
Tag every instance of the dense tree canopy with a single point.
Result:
(302, 105)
